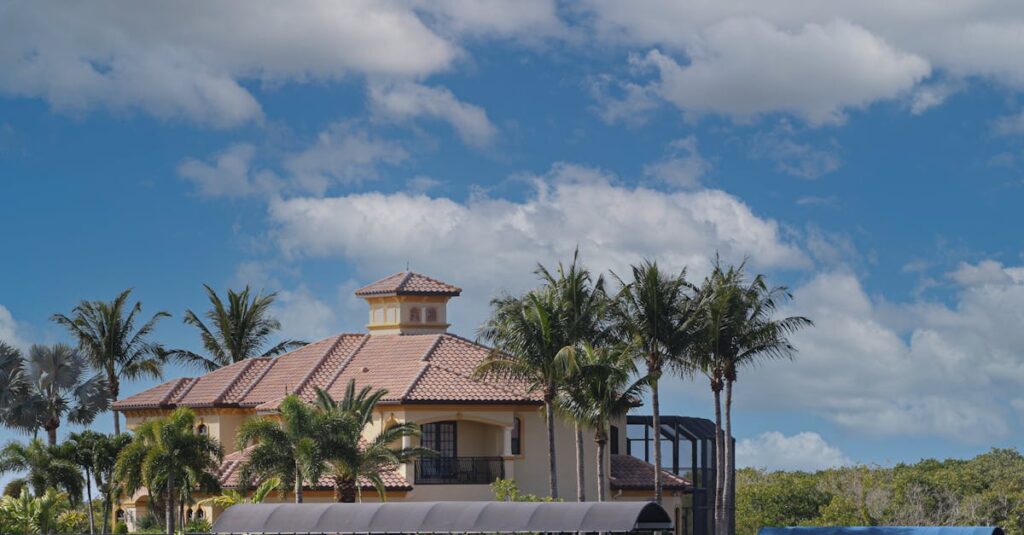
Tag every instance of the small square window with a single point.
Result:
(414, 315)
(431, 315)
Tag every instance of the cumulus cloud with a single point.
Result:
(903, 369)
(682, 166)
(487, 244)
(9, 330)
(406, 101)
(229, 173)
(524, 20)
(189, 59)
(748, 67)
(1009, 125)
(805, 451)
(799, 159)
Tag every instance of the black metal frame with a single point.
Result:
(458, 470)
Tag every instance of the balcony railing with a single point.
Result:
(459, 470)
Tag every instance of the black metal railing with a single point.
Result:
(459, 470)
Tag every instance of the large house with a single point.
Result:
(482, 429)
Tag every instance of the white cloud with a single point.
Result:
(1009, 125)
(229, 174)
(303, 316)
(748, 67)
(9, 330)
(524, 20)
(188, 59)
(805, 451)
(405, 101)
(982, 273)
(488, 244)
(913, 369)
(343, 153)
(682, 167)
(792, 157)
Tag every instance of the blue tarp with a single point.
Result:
(884, 530)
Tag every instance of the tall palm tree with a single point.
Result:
(57, 386)
(530, 346)
(44, 466)
(581, 307)
(105, 453)
(349, 456)
(166, 453)
(602, 390)
(107, 335)
(13, 386)
(238, 329)
(741, 330)
(654, 314)
(83, 446)
(289, 449)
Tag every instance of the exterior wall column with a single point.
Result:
(506, 453)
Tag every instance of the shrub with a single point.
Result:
(120, 528)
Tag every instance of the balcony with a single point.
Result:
(459, 470)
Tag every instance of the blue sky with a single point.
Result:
(866, 154)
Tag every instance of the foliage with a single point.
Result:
(45, 467)
(121, 528)
(107, 335)
(233, 497)
(198, 525)
(506, 490)
(350, 457)
(237, 330)
(49, 385)
(167, 454)
(27, 515)
(987, 490)
(72, 521)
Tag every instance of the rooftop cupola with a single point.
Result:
(408, 303)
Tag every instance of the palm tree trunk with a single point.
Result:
(656, 421)
(298, 486)
(88, 495)
(549, 413)
(170, 504)
(581, 494)
(51, 432)
(602, 441)
(719, 458)
(115, 389)
(727, 491)
(106, 513)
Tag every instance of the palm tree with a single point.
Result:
(349, 456)
(105, 452)
(289, 449)
(238, 330)
(107, 335)
(602, 390)
(530, 347)
(83, 446)
(166, 453)
(44, 466)
(582, 306)
(56, 386)
(233, 497)
(25, 514)
(739, 330)
(654, 315)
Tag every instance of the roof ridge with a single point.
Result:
(319, 362)
(185, 390)
(271, 361)
(347, 361)
(238, 376)
(171, 390)
(433, 346)
(405, 279)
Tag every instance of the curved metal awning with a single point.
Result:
(443, 517)
(885, 530)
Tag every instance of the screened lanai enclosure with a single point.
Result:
(444, 517)
(687, 450)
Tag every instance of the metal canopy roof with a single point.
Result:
(443, 517)
(885, 530)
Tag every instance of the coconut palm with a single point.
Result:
(233, 497)
(289, 449)
(167, 454)
(581, 308)
(654, 315)
(603, 389)
(352, 458)
(13, 387)
(107, 336)
(57, 385)
(43, 466)
(105, 451)
(530, 347)
(739, 330)
(238, 329)
(83, 447)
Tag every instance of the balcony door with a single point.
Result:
(440, 437)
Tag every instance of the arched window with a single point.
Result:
(201, 430)
(119, 515)
(188, 514)
(414, 315)
(200, 513)
(431, 314)
(517, 436)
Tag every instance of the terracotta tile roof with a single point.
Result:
(412, 368)
(230, 472)
(408, 283)
(628, 472)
